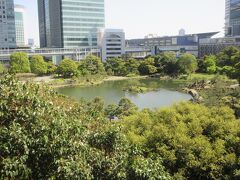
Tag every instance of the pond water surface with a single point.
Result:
(166, 93)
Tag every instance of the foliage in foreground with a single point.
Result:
(195, 142)
(46, 136)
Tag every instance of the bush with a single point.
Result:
(44, 135)
(91, 65)
(194, 141)
(187, 63)
(38, 65)
(67, 68)
(19, 63)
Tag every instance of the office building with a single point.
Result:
(111, 42)
(19, 25)
(7, 25)
(70, 23)
(213, 46)
(179, 44)
(232, 18)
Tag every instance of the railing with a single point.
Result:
(52, 51)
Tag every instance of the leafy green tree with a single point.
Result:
(167, 63)
(209, 64)
(38, 65)
(51, 68)
(19, 63)
(117, 66)
(44, 135)
(91, 64)
(187, 63)
(67, 68)
(228, 56)
(132, 66)
(194, 141)
(147, 66)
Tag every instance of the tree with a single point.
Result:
(92, 64)
(132, 66)
(194, 141)
(38, 65)
(187, 63)
(19, 63)
(228, 56)
(67, 68)
(147, 66)
(167, 63)
(209, 64)
(117, 66)
(51, 68)
(45, 135)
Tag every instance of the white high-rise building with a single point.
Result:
(111, 42)
(7, 25)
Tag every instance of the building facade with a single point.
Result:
(7, 25)
(111, 42)
(178, 44)
(19, 25)
(70, 23)
(215, 45)
(232, 18)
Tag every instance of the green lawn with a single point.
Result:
(201, 76)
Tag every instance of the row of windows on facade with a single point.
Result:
(9, 39)
(83, 4)
(84, 9)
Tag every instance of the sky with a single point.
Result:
(141, 17)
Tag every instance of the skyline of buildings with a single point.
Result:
(77, 24)
(70, 23)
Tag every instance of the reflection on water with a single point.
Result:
(112, 92)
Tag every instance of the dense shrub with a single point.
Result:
(19, 63)
(46, 136)
(195, 142)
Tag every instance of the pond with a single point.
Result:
(164, 94)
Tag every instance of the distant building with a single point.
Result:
(182, 32)
(70, 23)
(31, 42)
(7, 25)
(19, 25)
(215, 45)
(111, 42)
(232, 18)
(178, 44)
(151, 36)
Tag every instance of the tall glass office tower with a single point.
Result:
(19, 25)
(70, 23)
(232, 17)
(7, 25)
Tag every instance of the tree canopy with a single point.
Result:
(19, 63)
(187, 63)
(67, 68)
(38, 65)
(195, 142)
(91, 65)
